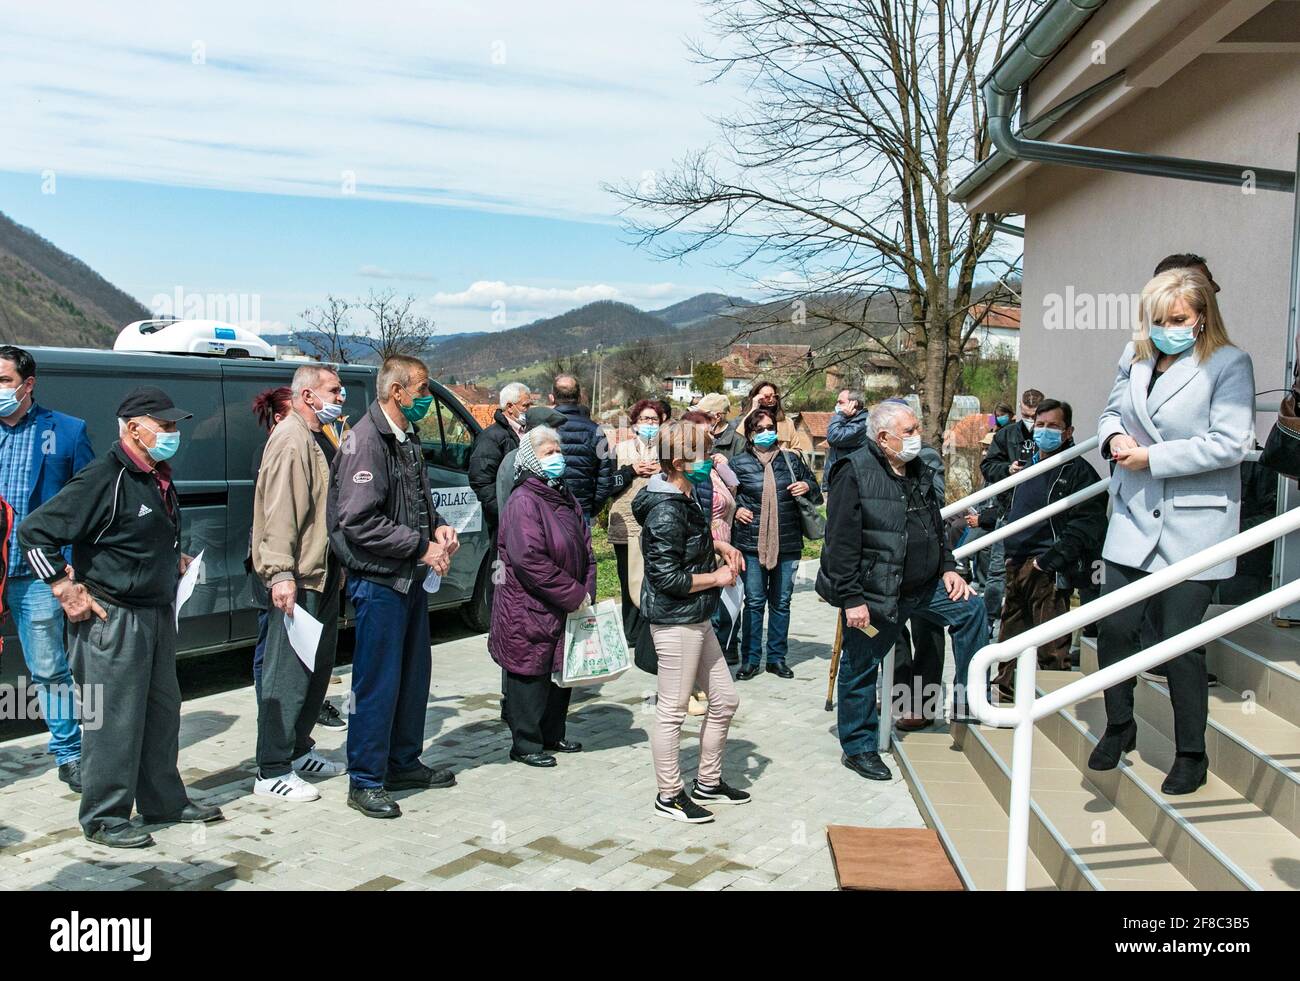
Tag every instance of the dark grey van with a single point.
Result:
(214, 471)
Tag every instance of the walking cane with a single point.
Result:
(835, 662)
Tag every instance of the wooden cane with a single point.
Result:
(835, 662)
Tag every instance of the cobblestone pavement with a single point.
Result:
(587, 824)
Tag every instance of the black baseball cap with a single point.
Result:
(152, 402)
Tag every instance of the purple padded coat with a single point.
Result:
(547, 571)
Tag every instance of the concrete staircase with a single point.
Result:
(1115, 830)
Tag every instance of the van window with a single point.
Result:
(446, 438)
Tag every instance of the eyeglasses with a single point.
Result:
(764, 429)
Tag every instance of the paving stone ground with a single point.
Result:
(587, 824)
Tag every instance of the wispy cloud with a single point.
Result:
(515, 107)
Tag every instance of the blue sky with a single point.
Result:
(283, 151)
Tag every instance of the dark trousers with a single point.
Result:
(127, 665)
(290, 697)
(860, 657)
(391, 669)
(918, 668)
(1031, 598)
(631, 615)
(537, 709)
(1127, 631)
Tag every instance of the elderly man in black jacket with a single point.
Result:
(387, 533)
(886, 558)
(491, 446)
(589, 462)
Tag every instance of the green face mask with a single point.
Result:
(418, 409)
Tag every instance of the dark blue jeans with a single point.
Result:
(860, 657)
(391, 668)
(772, 589)
(259, 651)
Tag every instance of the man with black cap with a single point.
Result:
(122, 517)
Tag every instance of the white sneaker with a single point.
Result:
(313, 764)
(288, 787)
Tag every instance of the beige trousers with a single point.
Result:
(689, 660)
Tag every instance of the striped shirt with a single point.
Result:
(17, 449)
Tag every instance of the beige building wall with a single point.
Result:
(1097, 234)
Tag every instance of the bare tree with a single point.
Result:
(836, 172)
(637, 370)
(329, 324)
(396, 328)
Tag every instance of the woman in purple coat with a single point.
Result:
(547, 571)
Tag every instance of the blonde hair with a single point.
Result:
(679, 440)
(1159, 295)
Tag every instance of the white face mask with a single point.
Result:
(911, 447)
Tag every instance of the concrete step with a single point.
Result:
(953, 799)
(1262, 660)
(1217, 838)
(1081, 837)
(1252, 749)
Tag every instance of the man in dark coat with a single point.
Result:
(491, 446)
(589, 461)
(885, 559)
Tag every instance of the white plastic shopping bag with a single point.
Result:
(595, 650)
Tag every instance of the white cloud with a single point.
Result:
(379, 272)
(513, 106)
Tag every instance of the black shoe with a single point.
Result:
(868, 765)
(1115, 741)
(70, 773)
(121, 836)
(731, 658)
(421, 778)
(373, 802)
(1211, 679)
(747, 672)
(1188, 775)
(779, 669)
(721, 794)
(682, 808)
(533, 759)
(564, 746)
(192, 813)
(330, 717)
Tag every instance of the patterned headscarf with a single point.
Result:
(527, 461)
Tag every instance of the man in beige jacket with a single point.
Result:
(291, 555)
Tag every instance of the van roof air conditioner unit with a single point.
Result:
(210, 338)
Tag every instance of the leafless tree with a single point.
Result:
(833, 179)
(395, 327)
(329, 325)
(637, 370)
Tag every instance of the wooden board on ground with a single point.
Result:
(894, 859)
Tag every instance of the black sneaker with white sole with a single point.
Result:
(330, 717)
(721, 794)
(682, 808)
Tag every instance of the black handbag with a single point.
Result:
(644, 655)
(1282, 448)
(811, 523)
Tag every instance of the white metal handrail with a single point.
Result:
(1019, 477)
(1031, 519)
(1028, 707)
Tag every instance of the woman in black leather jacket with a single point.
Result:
(685, 569)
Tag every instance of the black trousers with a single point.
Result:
(918, 667)
(127, 663)
(290, 696)
(1161, 616)
(631, 615)
(535, 711)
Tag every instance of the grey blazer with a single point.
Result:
(1197, 424)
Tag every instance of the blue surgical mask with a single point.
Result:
(9, 401)
(1003, 420)
(328, 412)
(1172, 340)
(164, 446)
(648, 431)
(553, 466)
(1048, 440)
(765, 439)
(698, 472)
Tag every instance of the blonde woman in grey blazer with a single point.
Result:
(1179, 420)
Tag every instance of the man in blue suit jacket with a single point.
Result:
(40, 450)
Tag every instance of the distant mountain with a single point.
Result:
(357, 351)
(50, 297)
(605, 321)
(702, 306)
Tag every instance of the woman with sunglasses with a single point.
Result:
(768, 533)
